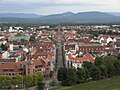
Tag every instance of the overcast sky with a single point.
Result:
(45, 7)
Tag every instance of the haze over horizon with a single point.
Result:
(46, 7)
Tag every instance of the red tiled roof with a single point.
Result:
(81, 59)
(16, 65)
(104, 41)
(47, 55)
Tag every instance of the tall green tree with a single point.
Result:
(81, 75)
(95, 73)
(118, 56)
(117, 67)
(104, 71)
(39, 83)
(35, 77)
(28, 80)
(98, 61)
(62, 74)
(87, 73)
(111, 70)
(87, 65)
(71, 77)
(67, 76)
(109, 61)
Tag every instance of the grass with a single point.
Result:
(107, 84)
(117, 89)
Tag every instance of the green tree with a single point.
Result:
(35, 77)
(5, 82)
(28, 80)
(40, 84)
(111, 70)
(32, 38)
(98, 61)
(104, 71)
(109, 61)
(118, 56)
(95, 73)
(117, 67)
(62, 74)
(18, 80)
(67, 76)
(87, 73)
(87, 65)
(81, 75)
(96, 35)
(4, 47)
(71, 76)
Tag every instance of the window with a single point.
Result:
(21, 69)
(40, 65)
(11, 69)
(5, 69)
(47, 68)
(36, 66)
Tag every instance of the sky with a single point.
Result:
(45, 7)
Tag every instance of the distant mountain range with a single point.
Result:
(67, 17)
(115, 13)
(19, 15)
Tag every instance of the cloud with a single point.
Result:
(52, 2)
(61, 1)
(57, 6)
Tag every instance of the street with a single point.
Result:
(59, 38)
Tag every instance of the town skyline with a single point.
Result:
(59, 44)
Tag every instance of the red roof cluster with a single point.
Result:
(86, 57)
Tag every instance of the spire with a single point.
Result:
(59, 27)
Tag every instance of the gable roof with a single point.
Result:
(86, 57)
